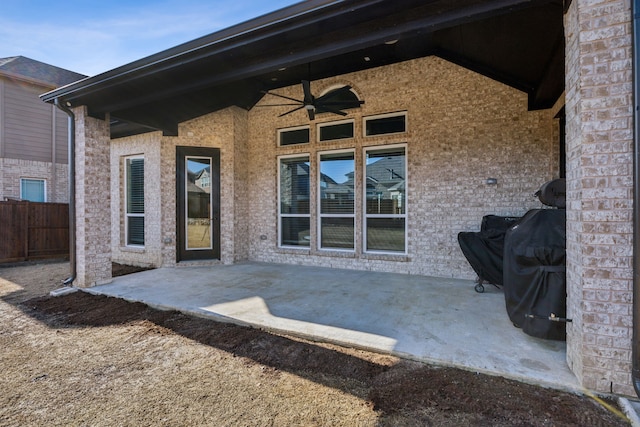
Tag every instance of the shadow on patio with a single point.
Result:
(423, 318)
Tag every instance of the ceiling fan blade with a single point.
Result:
(291, 111)
(282, 96)
(308, 96)
(334, 93)
(324, 109)
(277, 105)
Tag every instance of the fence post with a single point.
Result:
(24, 206)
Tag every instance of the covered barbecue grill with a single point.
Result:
(526, 256)
(484, 249)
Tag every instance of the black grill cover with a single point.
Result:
(534, 273)
(484, 249)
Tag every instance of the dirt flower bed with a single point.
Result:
(80, 359)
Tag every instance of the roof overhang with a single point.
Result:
(517, 42)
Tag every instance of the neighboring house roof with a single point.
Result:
(517, 42)
(387, 169)
(38, 72)
(204, 172)
(193, 188)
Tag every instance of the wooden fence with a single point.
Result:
(32, 231)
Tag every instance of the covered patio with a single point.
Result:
(435, 320)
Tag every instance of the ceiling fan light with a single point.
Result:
(310, 107)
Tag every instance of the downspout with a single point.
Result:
(635, 342)
(72, 190)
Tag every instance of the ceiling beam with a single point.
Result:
(546, 86)
(486, 70)
(168, 127)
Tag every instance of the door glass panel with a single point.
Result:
(198, 203)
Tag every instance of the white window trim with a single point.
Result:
(384, 116)
(128, 215)
(294, 128)
(320, 215)
(34, 179)
(280, 215)
(333, 123)
(365, 216)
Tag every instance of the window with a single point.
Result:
(293, 195)
(336, 200)
(134, 201)
(335, 130)
(376, 216)
(385, 195)
(292, 136)
(385, 124)
(33, 190)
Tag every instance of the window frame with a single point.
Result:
(290, 129)
(127, 214)
(318, 211)
(44, 188)
(279, 201)
(384, 116)
(366, 216)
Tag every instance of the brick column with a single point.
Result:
(93, 204)
(599, 193)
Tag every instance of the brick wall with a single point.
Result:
(241, 166)
(462, 129)
(93, 189)
(599, 192)
(147, 145)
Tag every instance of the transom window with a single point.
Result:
(293, 136)
(335, 130)
(385, 124)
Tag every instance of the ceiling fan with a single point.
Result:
(331, 102)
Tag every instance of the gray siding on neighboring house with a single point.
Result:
(28, 124)
(33, 134)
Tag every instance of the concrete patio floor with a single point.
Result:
(435, 320)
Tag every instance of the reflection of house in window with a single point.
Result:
(386, 185)
(294, 201)
(334, 191)
(203, 179)
(198, 194)
(294, 180)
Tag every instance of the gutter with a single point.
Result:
(72, 190)
(635, 341)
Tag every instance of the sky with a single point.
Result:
(91, 37)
